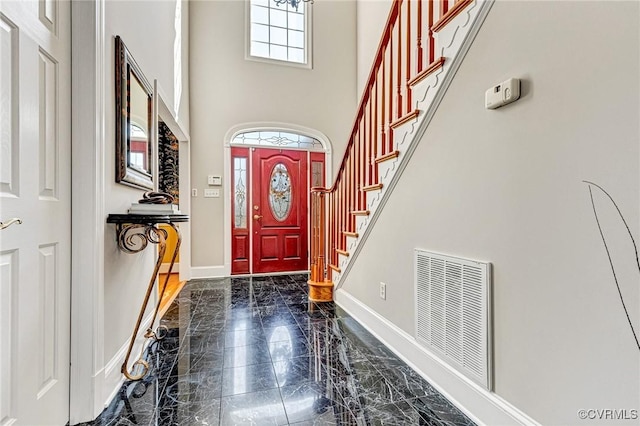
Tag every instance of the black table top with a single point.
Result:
(145, 219)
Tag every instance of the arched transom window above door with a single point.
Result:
(276, 139)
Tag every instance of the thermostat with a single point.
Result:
(214, 180)
(502, 94)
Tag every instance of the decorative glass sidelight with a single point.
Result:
(317, 172)
(280, 192)
(240, 192)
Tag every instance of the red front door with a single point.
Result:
(279, 210)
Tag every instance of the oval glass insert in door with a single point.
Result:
(280, 192)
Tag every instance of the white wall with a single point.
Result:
(505, 186)
(371, 19)
(228, 90)
(148, 31)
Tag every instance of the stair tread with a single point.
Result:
(435, 65)
(451, 13)
(389, 156)
(373, 187)
(405, 118)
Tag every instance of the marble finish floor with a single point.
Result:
(247, 351)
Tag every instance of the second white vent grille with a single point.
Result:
(453, 312)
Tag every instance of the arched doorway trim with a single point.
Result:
(239, 129)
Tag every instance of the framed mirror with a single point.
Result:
(134, 148)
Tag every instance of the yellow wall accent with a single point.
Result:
(172, 240)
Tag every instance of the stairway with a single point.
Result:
(417, 58)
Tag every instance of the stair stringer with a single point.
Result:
(454, 41)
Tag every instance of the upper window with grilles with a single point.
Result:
(279, 32)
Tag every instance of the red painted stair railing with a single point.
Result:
(405, 55)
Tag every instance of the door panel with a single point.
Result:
(8, 294)
(35, 187)
(279, 213)
(268, 247)
(292, 246)
(9, 165)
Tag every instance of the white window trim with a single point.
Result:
(308, 40)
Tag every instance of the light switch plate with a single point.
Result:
(211, 193)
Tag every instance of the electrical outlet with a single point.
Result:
(383, 291)
(194, 192)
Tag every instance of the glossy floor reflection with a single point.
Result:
(246, 351)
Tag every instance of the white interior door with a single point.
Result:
(35, 181)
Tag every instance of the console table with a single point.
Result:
(134, 232)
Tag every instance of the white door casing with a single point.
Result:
(35, 179)
(225, 270)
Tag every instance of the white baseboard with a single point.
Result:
(113, 377)
(482, 406)
(271, 274)
(164, 268)
(210, 271)
(97, 381)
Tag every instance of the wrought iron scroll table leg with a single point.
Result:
(156, 236)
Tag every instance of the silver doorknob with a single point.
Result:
(9, 223)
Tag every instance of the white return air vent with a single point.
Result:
(453, 315)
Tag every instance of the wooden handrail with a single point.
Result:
(405, 56)
(386, 34)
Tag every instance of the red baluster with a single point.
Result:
(444, 7)
(352, 191)
(370, 135)
(383, 106)
(374, 131)
(398, 60)
(390, 101)
(419, 58)
(365, 141)
(431, 45)
(356, 169)
(408, 60)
